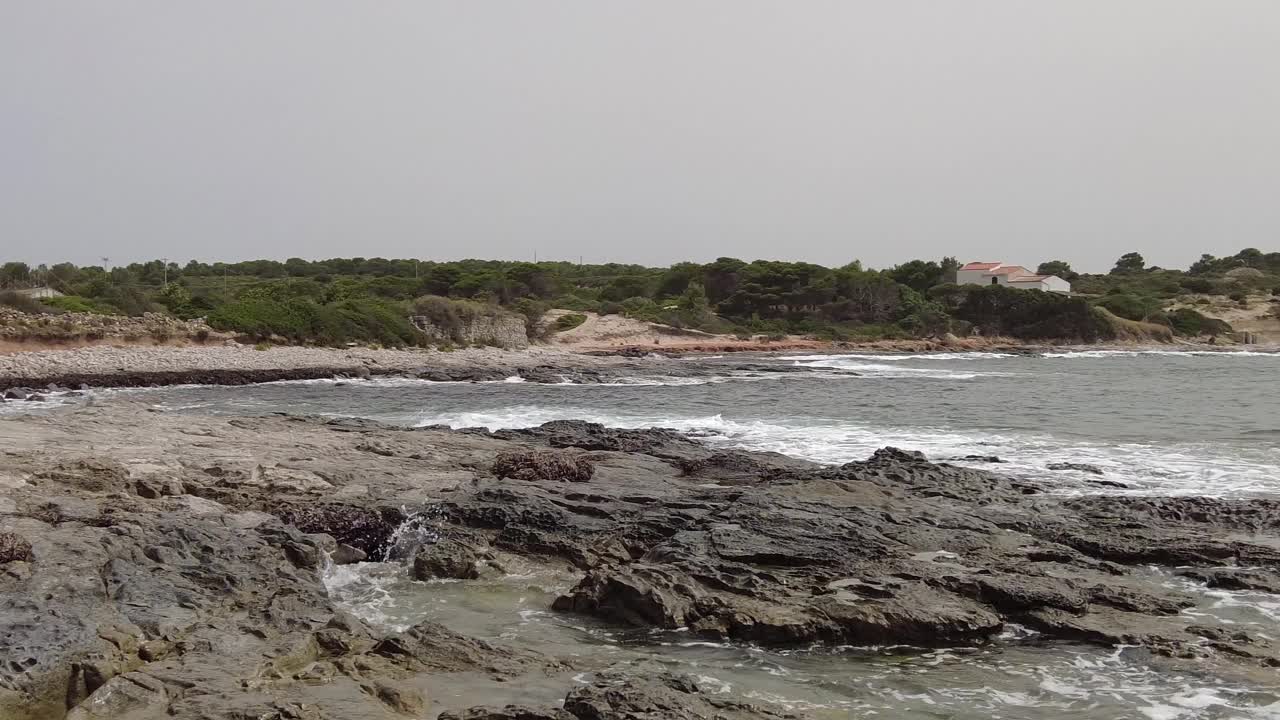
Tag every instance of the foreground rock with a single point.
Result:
(155, 565)
(670, 697)
(891, 550)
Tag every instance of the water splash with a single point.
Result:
(421, 527)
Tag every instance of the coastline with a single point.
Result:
(132, 366)
(173, 536)
(229, 364)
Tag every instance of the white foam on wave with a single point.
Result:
(1229, 607)
(677, 381)
(1095, 354)
(629, 381)
(388, 381)
(885, 357)
(861, 368)
(52, 401)
(1144, 468)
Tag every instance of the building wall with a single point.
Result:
(983, 277)
(1058, 285)
(1049, 284)
(40, 292)
(1030, 285)
(972, 277)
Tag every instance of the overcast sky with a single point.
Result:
(650, 132)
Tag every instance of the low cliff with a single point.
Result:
(444, 320)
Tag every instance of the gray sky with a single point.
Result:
(650, 132)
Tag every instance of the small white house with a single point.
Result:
(1014, 276)
(39, 292)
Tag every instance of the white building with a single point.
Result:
(39, 292)
(1014, 276)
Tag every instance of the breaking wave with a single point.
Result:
(857, 367)
(1135, 467)
(886, 357)
(1093, 354)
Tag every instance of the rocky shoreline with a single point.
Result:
(160, 565)
(241, 365)
(36, 375)
(37, 372)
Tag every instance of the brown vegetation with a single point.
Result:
(550, 465)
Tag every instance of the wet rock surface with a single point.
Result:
(170, 566)
(676, 697)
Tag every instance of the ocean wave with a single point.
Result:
(1141, 469)
(842, 363)
(391, 381)
(620, 382)
(52, 401)
(885, 357)
(1094, 354)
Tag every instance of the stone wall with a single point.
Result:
(502, 330)
(18, 326)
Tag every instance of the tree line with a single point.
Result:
(328, 300)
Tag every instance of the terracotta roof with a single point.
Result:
(980, 266)
(1008, 270)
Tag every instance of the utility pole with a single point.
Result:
(165, 262)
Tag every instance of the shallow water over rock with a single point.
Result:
(1018, 677)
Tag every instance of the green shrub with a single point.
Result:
(262, 319)
(576, 302)
(532, 310)
(1189, 323)
(1200, 285)
(77, 304)
(1129, 307)
(302, 321)
(569, 322)
(1026, 314)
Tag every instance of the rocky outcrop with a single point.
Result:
(894, 549)
(496, 328)
(1078, 467)
(234, 364)
(446, 559)
(166, 565)
(368, 530)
